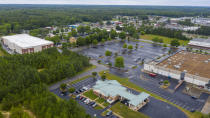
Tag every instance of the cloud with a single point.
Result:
(113, 2)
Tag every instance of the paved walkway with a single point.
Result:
(98, 68)
(206, 108)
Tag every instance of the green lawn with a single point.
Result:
(126, 112)
(100, 100)
(105, 112)
(166, 40)
(80, 79)
(86, 23)
(2, 52)
(98, 107)
(90, 94)
(106, 104)
(127, 83)
(114, 19)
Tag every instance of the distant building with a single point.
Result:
(201, 21)
(111, 90)
(72, 40)
(73, 26)
(200, 44)
(190, 28)
(24, 43)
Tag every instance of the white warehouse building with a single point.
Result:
(24, 43)
(187, 66)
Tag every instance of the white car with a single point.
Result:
(87, 101)
(85, 88)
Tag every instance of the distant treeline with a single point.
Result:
(14, 18)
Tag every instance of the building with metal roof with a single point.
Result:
(200, 43)
(24, 43)
(112, 90)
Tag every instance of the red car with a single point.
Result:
(81, 98)
(152, 74)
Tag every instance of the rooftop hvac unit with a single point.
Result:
(176, 66)
(182, 75)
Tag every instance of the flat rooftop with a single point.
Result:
(200, 42)
(26, 41)
(195, 64)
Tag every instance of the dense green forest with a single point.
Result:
(23, 85)
(14, 18)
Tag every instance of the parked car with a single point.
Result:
(109, 113)
(193, 97)
(78, 97)
(161, 82)
(81, 90)
(77, 92)
(91, 103)
(94, 105)
(85, 88)
(87, 101)
(152, 74)
(83, 100)
(81, 97)
(192, 110)
(200, 86)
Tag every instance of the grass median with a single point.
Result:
(90, 95)
(125, 112)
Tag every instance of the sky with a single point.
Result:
(113, 2)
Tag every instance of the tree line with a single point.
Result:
(15, 18)
(24, 80)
(166, 32)
(203, 30)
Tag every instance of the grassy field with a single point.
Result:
(1, 53)
(90, 95)
(127, 83)
(106, 104)
(104, 113)
(100, 100)
(98, 107)
(86, 23)
(125, 112)
(166, 40)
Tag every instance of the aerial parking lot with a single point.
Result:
(153, 109)
(145, 52)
